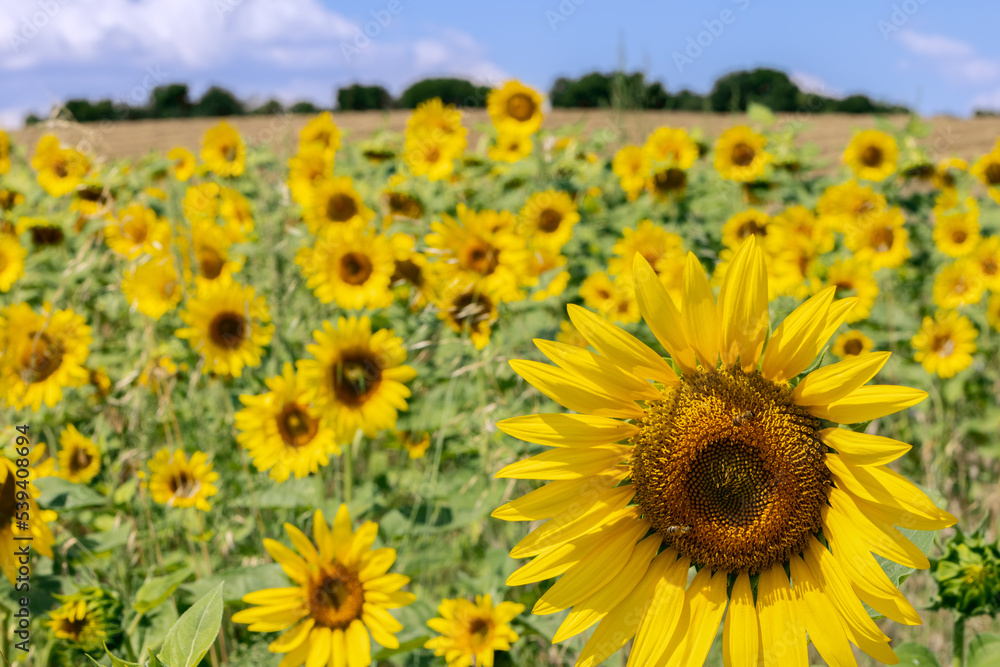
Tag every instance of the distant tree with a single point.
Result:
(85, 111)
(686, 100)
(32, 119)
(218, 102)
(269, 107)
(451, 91)
(773, 89)
(304, 107)
(656, 96)
(363, 98)
(170, 101)
(590, 90)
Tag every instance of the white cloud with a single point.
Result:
(989, 100)
(811, 83)
(956, 60)
(933, 45)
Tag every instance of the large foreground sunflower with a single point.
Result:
(734, 464)
(341, 591)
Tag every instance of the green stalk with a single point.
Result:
(349, 466)
(958, 639)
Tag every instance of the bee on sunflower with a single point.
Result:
(872, 155)
(725, 464)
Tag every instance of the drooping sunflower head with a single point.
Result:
(138, 230)
(321, 132)
(153, 288)
(470, 631)
(671, 147)
(956, 233)
(341, 591)
(467, 306)
(12, 255)
(740, 154)
(223, 150)
(227, 324)
(335, 203)
(728, 458)
(515, 108)
(86, 619)
(78, 457)
(184, 163)
(945, 343)
(176, 481)
(872, 155)
(60, 170)
(547, 219)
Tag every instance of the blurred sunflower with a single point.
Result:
(279, 431)
(10, 198)
(872, 155)
(614, 299)
(201, 203)
(431, 154)
(851, 343)
(853, 277)
(41, 354)
(672, 147)
(4, 153)
(661, 249)
(91, 199)
(415, 444)
(11, 536)
(740, 154)
(993, 311)
(401, 206)
(547, 219)
(138, 230)
(798, 222)
(153, 288)
(470, 632)
(945, 343)
(730, 469)
(342, 591)
(335, 203)
(350, 268)
(515, 109)
(946, 170)
(86, 618)
(227, 325)
(355, 378)
(850, 205)
(958, 284)
(881, 242)
(409, 277)
(44, 232)
(60, 170)
(986, 260)
(183, 163)
(510, 147)
(78, 456)
(12, 255)
(956, 234)
(467, 306)
(223, 150)
(667, 183)
(745, 223)
(632, 167)
(175, 481)
(987, 170)
(321, 132)
(435, 117)
(236, 214)
(211, 252)
(306, 170)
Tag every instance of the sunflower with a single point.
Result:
(745, 223)
(175, 481)
(335, 203)
(956, 234)
(409, 277)
(355, 378)
(306, 170)
(43, 231)
(415, 444)
(78, 457)
(662, 249)
(10, 198)
(321, 132)
(211, 252)
(671, 147)
(945, 343)
(60, 170)
(4, 153)
(223, 150)
(350, 268)
(342, 592)
(12, 255)
(944, 174)
(731, 471)
(851, 343)
(614, 299)
(850, 205)
(881, 242)
(740, 154)
(958, 284)
(987, 170)
(153, 288)
(853, 277)
(12, 536)
(91, 199)
(138, 230)
(183, 163)
(792, 264)
(515, 108)
(468, 307)
(799, 223)
(471, 631)
(667, 183)
(280, 432)
(510, 147)
(201, 203)
(632, 167)
(236, 214)
(86, 619)
(41, 354)
(547, 219)
(872, 155)
(401, 206)
(431, 154)
(433, 116)
(227, 325)
(986, 260)
(993, 311)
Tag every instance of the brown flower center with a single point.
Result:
(43, 235)
(871, 156)
(336, 597)
(944, 345)
(183, 485)
(480, 630)
(992, 173)
(211, 263)
(481, 257)
(41, 359)
(356, 376)
(341, 207)
(296, 426)
(8, 500)
(409, 271)
(403, 204)
(549, 220)
(355, 268)
(853, 347)
(471, 310)
(229, 153)
(80, 460)
(134, 230)
(669, 180)
(882, 239)
(754, 227)
(959, 236)
(229, 330)
(520, 107)
(743, 155)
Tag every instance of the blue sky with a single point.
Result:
(932, 55)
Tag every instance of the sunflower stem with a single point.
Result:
(349, 466)
(958, 639)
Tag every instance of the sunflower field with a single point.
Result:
(538, 401)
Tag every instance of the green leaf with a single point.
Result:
(916, 655)
(294, 493)
(239, 581)
(758, 113)
(984, 651)
(115, 661)
(191, 637)
(60, 494)
(155, 591)
(154, 661)
(405, 647)
(923, 539)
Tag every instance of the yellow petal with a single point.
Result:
(568, 463)
(293, 638)
(742, 307)
(555, 561)
(781, 629)
(557, 497)
(302, 543)
(796, 342)
(665, 612)
(844, 515)
(707, 604)
(338, 649)
(661, 315)
(319, 647)
(574, 392)
(598, 370)
(606, 506)
(832, 383)
(622, 348)
(869, 402)
(359, 645)
(567, 430)
(863, 449)
(701, 319)
(741, 631)
(824, 628)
